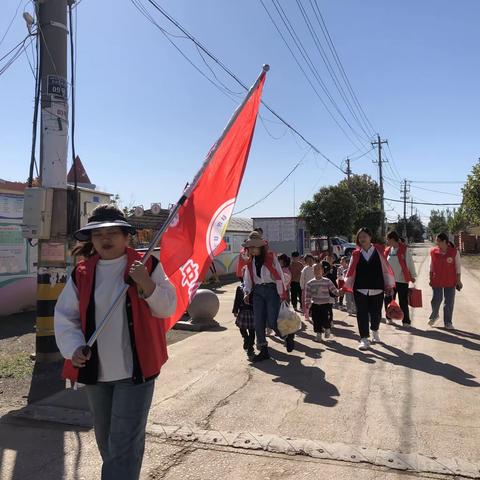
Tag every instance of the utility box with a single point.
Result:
(37, 213)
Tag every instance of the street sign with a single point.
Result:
(57, 86)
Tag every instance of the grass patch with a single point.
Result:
(16, 365)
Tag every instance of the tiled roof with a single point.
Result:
(240, 224)
(14, 186)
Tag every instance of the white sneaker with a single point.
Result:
(328, 333)
(375, 337)
(318, 338)
(432, 321)
(364, 344)
(449, 326)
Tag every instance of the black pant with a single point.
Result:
(248, 337)
(296, 294)
(402, 290)
(322, 317)
(369, 312)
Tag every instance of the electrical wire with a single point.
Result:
(424, 203)
(11, 22)
(334, 52)
(330, 69)
(233, 76)
(38, 76)
(276, 186)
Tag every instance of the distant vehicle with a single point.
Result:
(340, 247)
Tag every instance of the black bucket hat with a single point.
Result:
(104, 219)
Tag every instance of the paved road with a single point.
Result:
(417, 393)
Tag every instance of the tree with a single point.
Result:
(366, 192)
(415, 228)
(457, 221)
(471, 195)
(332, 211)
(437, 223)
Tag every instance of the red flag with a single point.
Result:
(195, 236)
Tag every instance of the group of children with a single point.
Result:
(313, 286)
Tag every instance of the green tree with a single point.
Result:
(437, 223)
(415, 228)
(471, 195)
(366, 192)
(457, 220)
(332, 211)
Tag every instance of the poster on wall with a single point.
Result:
(11, 207)
(13, 255)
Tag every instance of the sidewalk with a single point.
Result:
(314, 413)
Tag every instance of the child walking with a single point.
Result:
(319, 296)
(120, 370)
(244, 320)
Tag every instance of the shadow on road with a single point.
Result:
(17, 325)
(309, 380)
(457, 337)
(427, 364)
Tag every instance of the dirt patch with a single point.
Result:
(472, 262)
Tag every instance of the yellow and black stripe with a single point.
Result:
(47, 295)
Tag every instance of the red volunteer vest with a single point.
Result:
(148, 331)
(444, 269)
(356, 258)
(268, 263)
(401, 254)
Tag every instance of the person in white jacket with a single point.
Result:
(306, 275)
(120, 368)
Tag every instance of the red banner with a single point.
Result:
(195, 236)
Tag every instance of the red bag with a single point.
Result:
(394, 311)
(415, 298)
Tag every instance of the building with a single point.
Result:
(285, 234)
(18, 256)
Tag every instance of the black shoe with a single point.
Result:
(262, 355)
(250, 353)
(246, 343)
(290, 342)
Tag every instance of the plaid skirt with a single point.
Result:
(245, 319)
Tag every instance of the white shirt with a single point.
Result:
(265, 277)
(306, 275)
(367, 255)
(114, 347)
(397, 268)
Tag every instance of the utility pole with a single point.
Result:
(52, 252)
(411, 207)
(380, 163)
(405, 190)
(348, 171)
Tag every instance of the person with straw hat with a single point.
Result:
(264, 279)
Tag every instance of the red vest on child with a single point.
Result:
(444, 269)
(149, 331)
(401, 254)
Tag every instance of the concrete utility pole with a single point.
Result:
(380, 163)
(405, 190)
(52, 252)
(348, 171)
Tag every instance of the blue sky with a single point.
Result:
(146, 118)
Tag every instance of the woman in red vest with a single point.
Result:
(369, 277)
(400, 259)
(445, 277)
(264, 278)
(120, 369)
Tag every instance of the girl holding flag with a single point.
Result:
(369, 276)
(263, 276)
(120, 369)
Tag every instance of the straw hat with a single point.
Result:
(254, 240)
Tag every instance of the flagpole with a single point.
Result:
(186, 194)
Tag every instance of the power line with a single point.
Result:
(310, 64)
(425, 203)
(276, 186)
(233, 76)
(11, 22)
